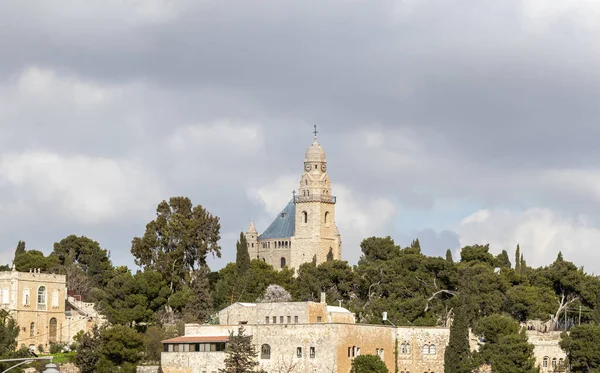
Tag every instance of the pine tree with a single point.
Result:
(457, 358)
(518, 259)
(449, 256)
(242, 257)
(240, 353)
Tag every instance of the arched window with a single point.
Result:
(265, 352)
(432, 349)
(305, 216)
(26, 297)
(326, 217)
(282, 262)
(561, 363)
(554, 363)
(426, 349)
(545, 362)
(53, 329)
(32, 330)
(41, 296)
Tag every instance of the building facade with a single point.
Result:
(43, 310)
(305, 337)
(305, 230)
(37, 302)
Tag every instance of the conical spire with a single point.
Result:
(252, 227)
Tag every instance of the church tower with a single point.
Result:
(316, 236)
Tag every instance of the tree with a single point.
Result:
(502, 260)
(275, 293)
(34, 259)
(20, 248)
(457, 357)
(84, 262)
(177, 241)
(505, 345)
(582, 346)
(477, 253)
(368, 364)
(449, 256)
(518, 259)
(240, 354)
(88, 352)
(242, 257)
(200, 305)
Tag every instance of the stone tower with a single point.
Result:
(252, 240)
(316, 236)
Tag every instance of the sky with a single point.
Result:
(455, 122)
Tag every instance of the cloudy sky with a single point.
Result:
(456, 122)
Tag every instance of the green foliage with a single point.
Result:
(115, 349)
(240, 354)
(518, 257)
(33, 259)
(56, 348)
(9, 332)
(85, 263)
(4, 267)
(368, 364)
(449, 256)
(505, 345)
(177, 241)
(154, 336)
(502, 260)
(457, 357)
(477, 253)
(527, 302)
(242, 257)
(582, 346)
(199, 307)
(20, 248)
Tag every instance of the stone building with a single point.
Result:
(548, 354)
(41, 307)
(37, 302)
(305, 229)
(305, 337)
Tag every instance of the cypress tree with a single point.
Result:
(457, 357)
(523, 264)
(242, 257)
(330, 255)
(449, 256)
(240, 354)
(20, 248)
(518, 259)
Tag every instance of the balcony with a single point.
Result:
(315, 198)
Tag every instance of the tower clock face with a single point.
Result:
(307, 167)
(323, 167)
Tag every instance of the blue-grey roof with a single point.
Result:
(284, 224)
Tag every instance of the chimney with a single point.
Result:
(323, 297)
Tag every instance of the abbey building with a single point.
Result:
(305, 229)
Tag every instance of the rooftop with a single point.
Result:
(284, 224)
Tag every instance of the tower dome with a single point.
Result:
(314, 153)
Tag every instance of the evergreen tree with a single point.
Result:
(200, 305)
(502, 260)
(518, 259)
(457, 358)
(240, 354)
(449, 256)
(523, 264)
(330, 255)
(368, 364)
(20, 248)
(242, 257)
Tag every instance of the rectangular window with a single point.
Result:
(213, 347)
(312, 352)
(55, 299)
(295, 319)
(349, 351)
(281, 319)
(319, 319)
(186, 348)
(274, 319)
(171, 347)
(299, 352)
(289, 319)
(5, 296)
(165, 347)
(266, 319)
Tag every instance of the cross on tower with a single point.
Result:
(315, 132)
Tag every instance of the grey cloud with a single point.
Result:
(474, 102)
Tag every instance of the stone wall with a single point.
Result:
(146, 369)
(546, 347)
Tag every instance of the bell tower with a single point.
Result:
(316, 236)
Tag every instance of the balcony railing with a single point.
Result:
(315, 198)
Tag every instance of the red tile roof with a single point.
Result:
(198, 339)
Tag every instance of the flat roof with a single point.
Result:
(197, 339)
